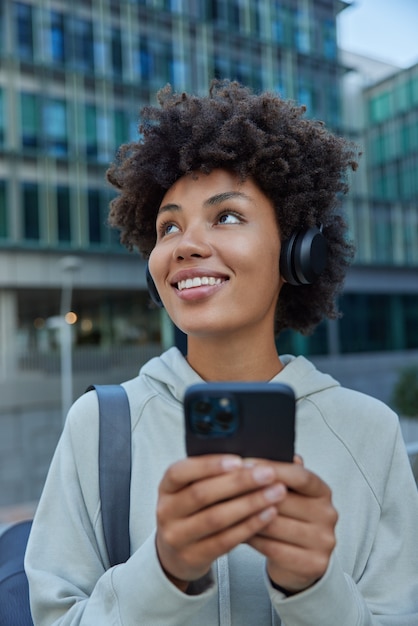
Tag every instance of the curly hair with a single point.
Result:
(295, 161)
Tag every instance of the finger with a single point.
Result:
(299, 533)
(291, 566)
(210, 491)
(298, 460)
(301, 480)
(196, 468)
(227, 514)
(192, 560)
(217, 544)
(309, 509)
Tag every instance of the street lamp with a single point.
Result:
(69, 265)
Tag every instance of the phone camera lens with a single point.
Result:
(202, 406)
(203, 425)
(225, 418)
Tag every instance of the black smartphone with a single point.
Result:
(253, 419)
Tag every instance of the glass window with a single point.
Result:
(378, 322)
(329, 39)
(410, 308)
(307, 95)
(55, 127)
(407, 180)
(95, 216)
(406, 137)
(24, 33)
(382, 229)
(82, 52)
(302, 33)
(292, 342)
(91, 130)
(121, 128)
(280, 24)
(414, 135)
(30, 217)
(57, 37)
(3, 210)
(402, 95)
(254, 13)
(117, 52)
(234, 14)
(219, 11)
(29, 112)
(380, 107)
(2, 117)
(146, 59)
(63, 215)
(105, 138)
(163, 56)
(333, 105)
(366, 323)
(414, 90)
(2, 26)
(221, 66)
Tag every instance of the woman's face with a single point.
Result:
(216, 258)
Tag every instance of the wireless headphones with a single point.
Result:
(303, 258)
(152, 289)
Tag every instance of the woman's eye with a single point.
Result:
(167, 228)
(229, 218)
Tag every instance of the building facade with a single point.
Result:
(72, 80)
(73, 77)
(381, 297)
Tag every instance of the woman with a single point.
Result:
(218, 195)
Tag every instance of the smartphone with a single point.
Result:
(253, 419)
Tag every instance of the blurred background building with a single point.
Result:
(73, 77)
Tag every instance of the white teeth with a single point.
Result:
(198, 281)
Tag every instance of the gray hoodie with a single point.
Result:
(350, 440)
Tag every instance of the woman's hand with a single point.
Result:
(299, 541)
(208, 505)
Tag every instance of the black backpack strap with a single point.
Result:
(115, 460)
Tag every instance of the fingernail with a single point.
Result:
(275, 493)
(268, 514)
(231, 462)
(263, 474)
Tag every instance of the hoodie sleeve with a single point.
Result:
(66, 560)
(387, 592)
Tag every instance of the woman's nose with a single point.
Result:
(193, 243)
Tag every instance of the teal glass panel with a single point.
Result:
(91, 130)
(3, 210)
(63, 215)
(29, 113)
(30, 207)
(55, 127)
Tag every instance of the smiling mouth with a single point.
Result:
(199, 281)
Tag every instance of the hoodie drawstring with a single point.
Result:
(224, 595)
(224, 591)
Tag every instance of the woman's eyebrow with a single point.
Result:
(218, 198)
(224, 196)
(168, 207)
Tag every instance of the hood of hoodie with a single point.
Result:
(170, 373)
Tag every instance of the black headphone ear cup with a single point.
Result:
(304, 256)
(152, 289)
(286, 262)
